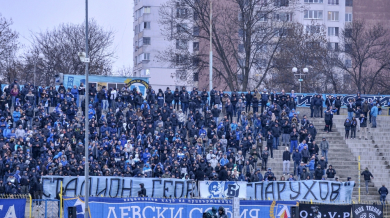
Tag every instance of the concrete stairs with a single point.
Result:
(374, 153)
(342, 157)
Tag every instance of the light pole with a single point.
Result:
(305, 71)
(211, 47)
(86, 61)
(35, 59)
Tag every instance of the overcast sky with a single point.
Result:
(40, 15)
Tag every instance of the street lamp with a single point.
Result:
(35, 59)
(305, 71)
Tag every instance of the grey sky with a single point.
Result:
(39, 15)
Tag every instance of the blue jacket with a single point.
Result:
(374, 111)
(16, 116)
(311, 165)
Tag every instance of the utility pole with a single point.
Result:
(86, 172)
(211, 47)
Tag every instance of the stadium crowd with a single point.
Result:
(182, 134)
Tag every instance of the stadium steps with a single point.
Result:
(374, 153)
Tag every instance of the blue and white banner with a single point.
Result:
(272, 209)
(12, 208)
(109, 186)
(217, 189)
(145, 207)
(315, 190)
(175, 208)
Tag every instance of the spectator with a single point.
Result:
(363, 127)
(286, 162)
(383, 192)
(330, 173)
(374, 114)
(367, 178)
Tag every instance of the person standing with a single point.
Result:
(248, 98)
(363, 126)
(229, 110)
(270, 142)
(81, 93)
(264, 157)
(383, 193)
(293, 140)
(297, 157)
(286, 161)
(347, 125)
(374, 114)
(324, 145)
(350, 108)
(367, 177)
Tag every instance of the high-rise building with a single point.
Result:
(333, 15)
(147, 43)
(372, 11)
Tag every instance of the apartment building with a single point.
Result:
(148, 41)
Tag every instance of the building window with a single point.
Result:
(348, 17)
(180, 59)
(195, 46)
(348, 48)
(349, 3)
(181, 44)
(143, 57)
(281, 3)
(313, 29)
(348, 33)
(241, 62)
(262, 17)
(196, 15)
(333, 31)
(312, 45)
(196, 31)
(348, 63)
(313, 14)
(181, 12)
(146, 10)
(333, 2)
(196, 76)
(313, 1)
(147, 25)
(241, 33)
(240, 48)
(261, 63)
(333, 46)
(146, 40)
(283, 16)
(181, 27)
(333, 16)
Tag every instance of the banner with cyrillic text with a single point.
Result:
(307, 190)
(146, 207)
(119, 186)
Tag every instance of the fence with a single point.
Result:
(45, 208)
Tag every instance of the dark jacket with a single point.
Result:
(367, 175)
(142, 192)
(286, 156)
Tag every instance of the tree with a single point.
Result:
(365, 55)
(304, 47)
(61, 45)
(125, 71)
(8, 47)
(245, 37)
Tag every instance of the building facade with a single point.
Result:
(148, 41)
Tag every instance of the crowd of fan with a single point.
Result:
(196, 135)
